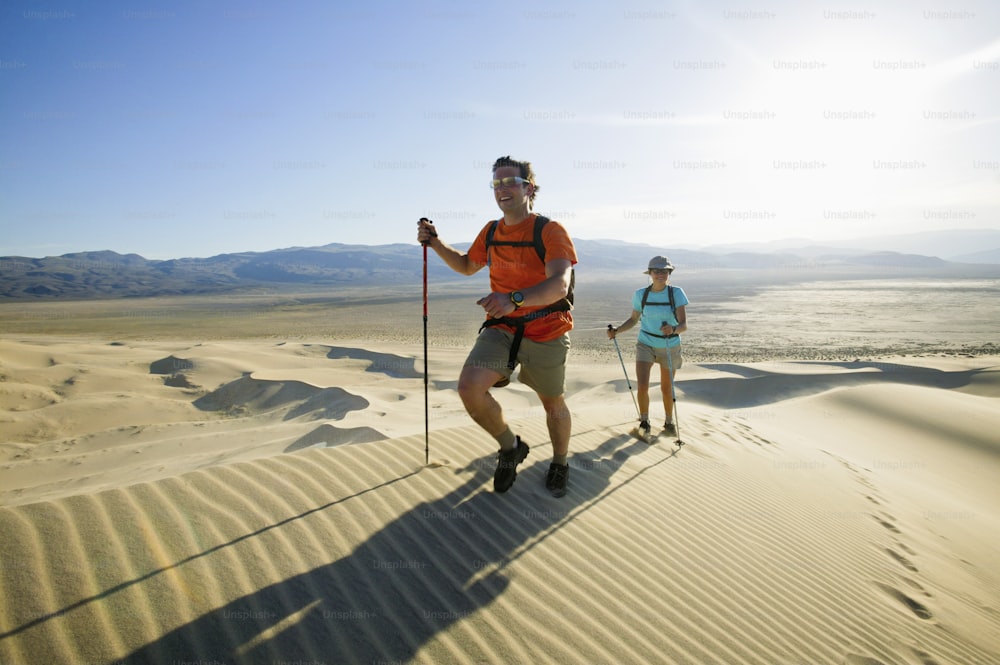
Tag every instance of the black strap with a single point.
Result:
(670, 294)
(518, 323)
(536, 242)
(673, 308)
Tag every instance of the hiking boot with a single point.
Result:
(669, 429)
(507, 462)
(555, 479)
(644, 428)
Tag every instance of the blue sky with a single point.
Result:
(197, 128)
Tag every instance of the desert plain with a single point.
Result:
(254, 478)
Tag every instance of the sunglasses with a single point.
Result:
(659, 271)
(509, 181)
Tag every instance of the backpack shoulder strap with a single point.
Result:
(540, 222)
(670, 294)
(492, 230)
(489, 240)
(645, 297)
(536, 241)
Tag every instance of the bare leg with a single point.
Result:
(642, 371)
(666, 387)
(474, 385)
(560, 423)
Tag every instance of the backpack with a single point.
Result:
(673, 307)
(536, 242)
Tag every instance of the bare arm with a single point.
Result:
(628, 324)
(552, 289)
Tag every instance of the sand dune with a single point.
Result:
(273, 505)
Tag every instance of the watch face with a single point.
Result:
(517, 297)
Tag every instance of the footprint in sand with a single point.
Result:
(917, 608)
(743, 433)
(916, 585)
(887, 523)
(903, 561)
(925, 658)
(855, 659)
(865, 482)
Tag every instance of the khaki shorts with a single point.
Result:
(543, 364)
(647, 354)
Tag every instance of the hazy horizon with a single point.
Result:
(916, 243)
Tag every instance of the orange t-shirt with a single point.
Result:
(519, 268)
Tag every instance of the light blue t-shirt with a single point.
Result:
(656, 313)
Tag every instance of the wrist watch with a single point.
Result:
(517, 298)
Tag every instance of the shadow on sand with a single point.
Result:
(752, 386)
(437, 564)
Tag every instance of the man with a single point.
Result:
(527, 319)
(659, 308)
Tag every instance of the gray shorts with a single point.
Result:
(543, 364)
(648, 354)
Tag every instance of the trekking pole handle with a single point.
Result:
(433, 233)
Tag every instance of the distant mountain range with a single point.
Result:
(107, 274)
(958, 245)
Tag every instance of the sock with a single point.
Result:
(643, 417)
(507, 440)
(559, 459)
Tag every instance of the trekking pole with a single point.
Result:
(622, 361)
(673, 395)
(427, 427)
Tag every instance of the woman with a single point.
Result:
(659, 309)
